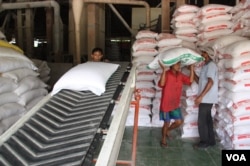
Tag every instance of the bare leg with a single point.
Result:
(174, 125)
(164, 132)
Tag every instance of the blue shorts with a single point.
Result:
(167, 116)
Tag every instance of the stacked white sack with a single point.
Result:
(241, 19)
(20, 86)
(188, 108)
(166, 41)
(184, 25)
(234, 80)
(214, 21)
(156, 122)
(43, 70)
(144, 47)
(145, 84)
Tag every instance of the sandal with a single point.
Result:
(163, 145)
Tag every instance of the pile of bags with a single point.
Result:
(20, 85)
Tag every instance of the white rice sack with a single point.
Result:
(29, 83)
(142, 59)
(18, 74)
(192, 109)
(184, 16)
(235, 97)
(174, 55)
(235, 62)
(215, 33)
(161, 49)
(188, 8)
(185, 30)
(145, 75)
(144, 43)
(246, 32)
(7, 85)
(189, 101)
(179, 24)
(187, 37)
(236, 49)
(215, 25)
(237, 15)
(226, 40)
(238, 73)
(145, 52)
(236, 86)
(144, 84)
(45, 79)
(12, 63)
(189, 44)
(240, 146)
(165, 39)
(8, 97)
(9, 52)
(246, 14)
(215, 17)
(246, 22)
(240, 109)
(33, 102)
(154, 64)
(8, 122)
(146, 34)
(28, 96)
(214, 8)
(10, 109)
(191, 118)
(147, 92)
(237, 8)
(241, 138)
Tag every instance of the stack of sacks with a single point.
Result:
(241, 19)
(167, 41)
(214, 21)
(20, 86)
(234, 94)
(184, 25)
(156, 122)
(188, 108)
(43, 70)
(144, 83)
(144, 47)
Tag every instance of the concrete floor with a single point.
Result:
(180, 152)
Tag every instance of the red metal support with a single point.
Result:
(135, 129)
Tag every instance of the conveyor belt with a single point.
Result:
(65, 130)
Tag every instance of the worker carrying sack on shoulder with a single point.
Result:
(171, 56)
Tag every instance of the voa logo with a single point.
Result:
(236, 157)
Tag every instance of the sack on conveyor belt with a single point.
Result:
(169, 57)
(89, 76)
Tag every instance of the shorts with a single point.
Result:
(167, 116)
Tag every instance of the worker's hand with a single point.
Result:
(198, 100)
(191, 67)
(163, 67)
